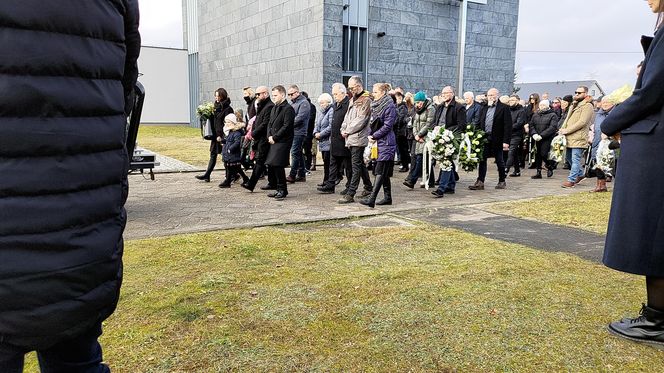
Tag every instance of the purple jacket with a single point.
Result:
(387, 143)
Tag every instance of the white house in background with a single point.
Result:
(559, 88)
(165, 76)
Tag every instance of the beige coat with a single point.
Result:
(356, 121)
(577, 125)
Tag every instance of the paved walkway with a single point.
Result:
(177, 203)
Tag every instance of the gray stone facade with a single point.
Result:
(271, 42)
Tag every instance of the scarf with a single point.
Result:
(377, 107)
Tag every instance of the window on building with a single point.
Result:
(354, 49)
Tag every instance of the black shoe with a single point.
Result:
(385, 201)
(325, 190)
(280, 195)
(438, 194)
(247, 187)
(268, 187)
(449, 191)
(538, 175)
(320, 185)
(409, 184)
(205, 178)
(344, 192)
(301, 179)
(273, 194)
(549, 173)
(647, 328)
(371, 202)
(515, 174)
(225, 185)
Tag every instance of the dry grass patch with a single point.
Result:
(182, 143)
(589, 211)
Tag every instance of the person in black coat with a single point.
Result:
(401, 131)
(543, 127)
(496, 121)
(280, 136)
(518, 121)
(222, 107)
(635, 233)
(68, 76)
(261, 145)
(309, 157)
(451, 115)
(339, 153)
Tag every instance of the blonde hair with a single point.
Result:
(249, 90)
(239, 114)
(383, 87)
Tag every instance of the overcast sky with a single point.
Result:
(554, 40)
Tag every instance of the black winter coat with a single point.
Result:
(518, 121)
(281, 128)
(68, 68)
(400, 127)
(259, 129)
(337, 142)
(502, 124)
(221, 110)
(544, 123)
(455, 119)
(635, 236)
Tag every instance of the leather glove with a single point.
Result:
(537, 137)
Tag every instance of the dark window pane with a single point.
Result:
(353, 49)
(363, 51)
(345, 49)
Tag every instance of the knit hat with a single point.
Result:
(420, 96)
(568, 98)
(231, 118)
(545, 102)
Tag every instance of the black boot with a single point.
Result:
(550, 166)
(208, 171)
(387, 193)
(538, 175)
(371, 199)
(647, 328)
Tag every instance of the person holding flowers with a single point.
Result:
(422, 119)
(450, 115)
(543, 126)
(635, 235)
(383, 118)
(222, 107)
(496, 122)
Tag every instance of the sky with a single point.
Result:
(556, 40)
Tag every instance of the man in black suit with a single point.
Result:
(496, 121)
(280, 133)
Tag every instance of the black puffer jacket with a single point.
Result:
(518, 121)
(67, 70)
(544, 123)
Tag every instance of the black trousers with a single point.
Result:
(326, 166)
(215, 149)
(496, 151)
(404, 150)
(359, 170)
(337, 165)
(514, 154)
(308, 155)
(280, 178)
(259, 170)
(542, 154)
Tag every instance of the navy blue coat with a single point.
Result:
(635, 236)
(67, 74)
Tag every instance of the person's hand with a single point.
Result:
(317, 136)
(344, 134)
(563, 131)
(537, 137)
(218, 138)
(604, 137)
(418, 138)
(526, 127)
(270, 140)
(371, 138)
(506, 147)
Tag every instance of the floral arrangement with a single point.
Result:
(558, 145)
(205, 111)
(444, 146)
(621, 94)
(471, 148)
(605, 157)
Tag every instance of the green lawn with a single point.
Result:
(182, 143)
(311, 298)
(585, 210)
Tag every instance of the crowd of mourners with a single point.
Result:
(358, 132)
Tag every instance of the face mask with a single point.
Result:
(247, 99)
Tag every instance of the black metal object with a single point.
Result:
(140, 159)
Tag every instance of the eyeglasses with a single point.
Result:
(290, 94)
(579, 93)
(556, 102)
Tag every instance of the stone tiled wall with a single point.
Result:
(420, 47)
(267, 42)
